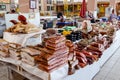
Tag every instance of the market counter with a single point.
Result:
(86, 73)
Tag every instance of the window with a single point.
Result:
(49, 1)
(39, 1)
(48, 8)
(2, 7)
(59, 2)
(52, 7)
(39, 8)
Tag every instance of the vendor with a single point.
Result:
(86, 28)
(45, 24)
(12, 11)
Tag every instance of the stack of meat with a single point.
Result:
(111, 31)
(89, 54)
(54, 55)
(93, 51)
(118, 25)
(4, 48)
(14, 50)
(82, 44)
(105, 40)
(70, 45)
(28, 55)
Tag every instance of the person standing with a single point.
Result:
(45, 24)
(113, 16)
(90, 16)
(62, 19)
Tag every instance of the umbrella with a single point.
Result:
(83, 9)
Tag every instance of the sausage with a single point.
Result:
(95, 44)
(90, 47)
(82, 65)
(80, 54)
(82, 60)
(86, 52)
(95, 53)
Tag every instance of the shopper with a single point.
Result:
(13, 11)
(62, 19)
(87, 14)
(90, 16)
(45, 24)
(59, 14)
(113, 16)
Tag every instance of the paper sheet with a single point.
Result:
(22, 38)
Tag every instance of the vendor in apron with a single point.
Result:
(86, 28)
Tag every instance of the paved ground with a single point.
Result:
(4, 74)
(111, 69)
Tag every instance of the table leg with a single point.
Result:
(9, 73)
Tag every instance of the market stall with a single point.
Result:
(59, 56)
(61, 73)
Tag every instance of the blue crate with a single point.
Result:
(104, 19)
(118, 18)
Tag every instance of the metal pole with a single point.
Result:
(73, 8)
(51, 9)
(72, 3)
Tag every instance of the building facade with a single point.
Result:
(74, 6)
(46, 7)
(67, 7)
